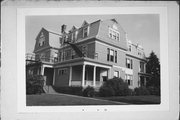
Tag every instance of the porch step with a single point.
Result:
(49, 89)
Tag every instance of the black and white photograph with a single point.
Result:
(89, 60)
(92, 60)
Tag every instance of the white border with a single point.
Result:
(23, 12)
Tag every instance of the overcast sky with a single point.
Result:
(142, 29)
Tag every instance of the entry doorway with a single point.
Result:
(49, 72)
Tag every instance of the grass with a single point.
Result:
(150, 99)
(62, 99)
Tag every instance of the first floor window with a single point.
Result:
(62, 71)
(129, 79)
(116, 73)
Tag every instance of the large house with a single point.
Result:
(88, 56)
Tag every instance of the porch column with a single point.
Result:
(144, 81)
(83, 74)
(70, 75)
(94, 76)
(42, 70)
(54, 76)
(109, 73)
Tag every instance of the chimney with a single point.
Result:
(63, 28)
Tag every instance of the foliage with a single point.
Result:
(153, 68)
(115, 87)
(141, 91)
(34, 84)
(88, 92)
(106, 91)
(154, 90)
(74, 90)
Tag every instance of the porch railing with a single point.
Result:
(76, 83)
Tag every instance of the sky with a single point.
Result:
(141, 28)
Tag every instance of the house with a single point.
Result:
(89, 55)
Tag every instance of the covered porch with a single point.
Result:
(88, 74)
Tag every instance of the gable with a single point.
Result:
(42, 40)
(84, 23)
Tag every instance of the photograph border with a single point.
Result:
(13, 64)
(23, 12)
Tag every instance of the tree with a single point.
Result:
(153, 68)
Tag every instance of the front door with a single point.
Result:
(49, 72)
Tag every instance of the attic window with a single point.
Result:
(41, 39)
(114, 34)
(85, 31)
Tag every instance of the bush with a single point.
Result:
(88, 92)
(115, 87)
(154, 90)
(34, 84)
(74, 90)
(141, 91)
(106, 91)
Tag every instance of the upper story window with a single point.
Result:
(142, 67)
(139, 52)
(111, 55)
(41, 39)
(73, 54)
(129, 63)
(114, 34)
(85, 31)
(129, 47)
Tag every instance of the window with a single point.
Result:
(129, 63)
(115, 56)
(41, 39)
(62, 71)
(111, 55)
(114, 34)
(139, 52)
(85, 32)
(142, 69)
(129, 47)
(84, 50)
(116, 73)
(129, 79)
(108, 54)
(73, 54)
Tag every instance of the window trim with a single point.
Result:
(85, 27)
(114, 34)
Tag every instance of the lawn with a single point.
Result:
(150, 99)
(62, 99)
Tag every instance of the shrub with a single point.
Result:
(106, 91)
(88, 92)
(115, 87)
(34, 84)
(141, 91)
(154, 90)
(74, 90)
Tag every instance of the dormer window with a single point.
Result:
(85, 31)
(129, 47)
(114, 34)
(41, 39)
